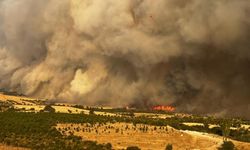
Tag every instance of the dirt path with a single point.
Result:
(217, 140)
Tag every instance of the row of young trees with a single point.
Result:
(37, 130)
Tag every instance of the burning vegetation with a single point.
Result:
(164, 108)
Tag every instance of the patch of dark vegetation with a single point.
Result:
(13, 93)
(125, 110)
(169, 147)
(37, 101)
(37, 131)
(227, 145)
(133, 148)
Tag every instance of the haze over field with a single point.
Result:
(192, 54)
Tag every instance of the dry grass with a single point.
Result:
(58, 109)
(193, 124)
(17, 99)
(153, 115)
(122, 135)
(219, 139)
(6, 147)
(106, 113)
(68, 109)
(36, 108)
(245, 126)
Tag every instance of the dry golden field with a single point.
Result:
(69, 109)
(6, 147)
(35, 108)
(122, 135)
(19, 100)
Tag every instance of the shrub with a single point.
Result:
(91, 112)
(169, 147)
(227, 145)
(49, 108)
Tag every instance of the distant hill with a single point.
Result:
(19, 99)
(6, 92)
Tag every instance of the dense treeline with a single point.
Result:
(178, 117)
(36, 131)
(124, 110)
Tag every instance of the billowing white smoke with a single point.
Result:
(140, 52)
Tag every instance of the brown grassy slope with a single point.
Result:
(16, 99)
(122, 135)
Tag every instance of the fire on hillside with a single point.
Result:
(164, 108)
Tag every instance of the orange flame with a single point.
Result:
(164, 108)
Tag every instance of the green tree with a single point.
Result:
(133, 148)
(225, 127)
(11, 109)
(109, 146)
(169, 147)
(91, 112)
(49, 108)
(227, 145)
(131, 114)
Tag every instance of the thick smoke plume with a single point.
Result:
(192, 54)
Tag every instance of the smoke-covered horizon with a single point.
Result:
(193, 54)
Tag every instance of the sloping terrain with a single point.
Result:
(122, 135)
(217, 139)
(35, 105)
(19, 100)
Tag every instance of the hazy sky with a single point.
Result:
(192, 54)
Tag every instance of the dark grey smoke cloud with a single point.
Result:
(192, 54)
